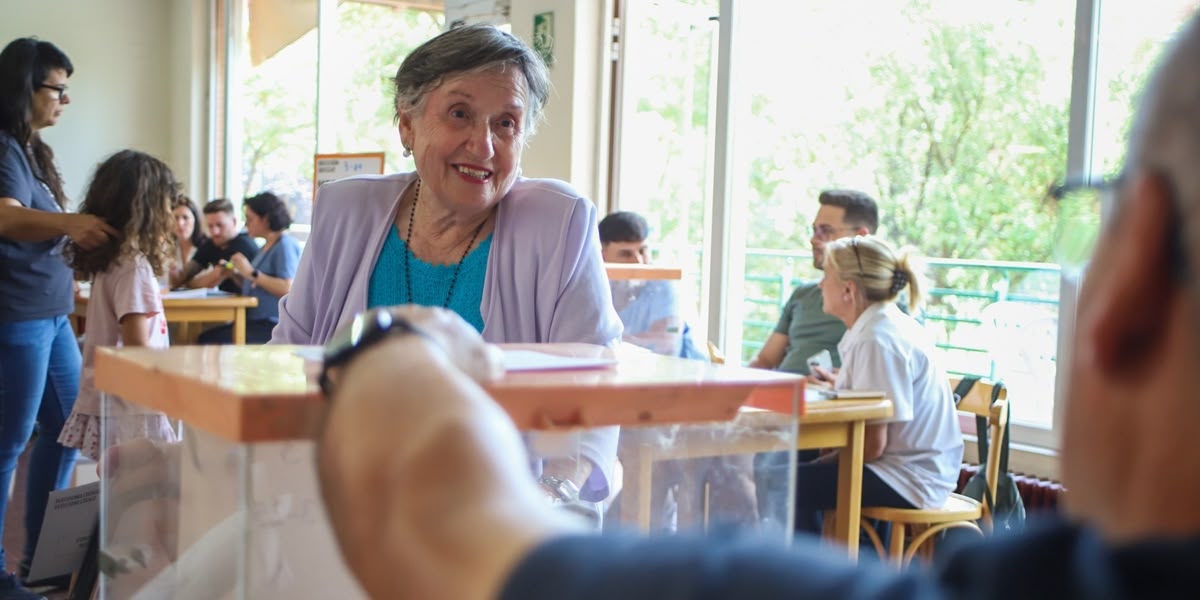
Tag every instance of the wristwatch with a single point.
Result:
(564, 490)
(366, 330)
(254, 274)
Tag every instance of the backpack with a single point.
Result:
(1007, 509)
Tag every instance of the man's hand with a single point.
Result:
(241, 264)
(425, 479)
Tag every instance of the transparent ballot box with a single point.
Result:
(232, 509)
(647, 300)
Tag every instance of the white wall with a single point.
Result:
(127, 91)
(572, 143)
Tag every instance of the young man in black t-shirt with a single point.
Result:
(207, 267)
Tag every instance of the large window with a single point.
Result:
(957, 119)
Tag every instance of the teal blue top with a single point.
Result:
(429, 281)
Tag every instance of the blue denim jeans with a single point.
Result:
(39, 379)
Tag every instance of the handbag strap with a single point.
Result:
(960, 391)
(996, 390)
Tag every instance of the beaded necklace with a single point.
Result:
(412, 214)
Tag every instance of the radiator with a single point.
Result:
(1037, 494)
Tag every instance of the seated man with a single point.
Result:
(804, 328)
(649, 310)
(207, 268)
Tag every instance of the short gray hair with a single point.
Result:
(470, 49)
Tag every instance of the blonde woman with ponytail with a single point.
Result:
(912, 459)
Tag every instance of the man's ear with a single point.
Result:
(1130, 299)
(862, 231)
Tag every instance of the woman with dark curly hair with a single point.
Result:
(39, 359)
(267, 276)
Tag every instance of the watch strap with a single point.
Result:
(367, 329)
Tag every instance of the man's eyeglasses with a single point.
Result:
(827, 232)
(1078, 205)
(61, 89)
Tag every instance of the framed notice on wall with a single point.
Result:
(332, 167)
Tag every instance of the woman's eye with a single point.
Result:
(458, 113)
(508, 123)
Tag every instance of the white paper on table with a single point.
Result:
(196, 293)
(531, 360)
(66, 530)
(186, 293)
(812, 394)
(852, 394)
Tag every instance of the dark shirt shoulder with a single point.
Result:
(1052, 560)
(1058, 560)
(244, 244)
(209, 253)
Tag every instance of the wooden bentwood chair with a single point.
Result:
(959, 511)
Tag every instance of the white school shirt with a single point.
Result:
(887, 350)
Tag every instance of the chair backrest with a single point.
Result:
(978, 400)
(715, 355)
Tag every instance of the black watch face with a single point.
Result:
(365, 326)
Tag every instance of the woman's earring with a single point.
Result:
(407, 152)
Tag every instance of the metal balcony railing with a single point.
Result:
(968, 301)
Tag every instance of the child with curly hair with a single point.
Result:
(132, 192)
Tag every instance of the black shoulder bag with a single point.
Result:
(1007, 509)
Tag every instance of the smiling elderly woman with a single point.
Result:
(517, 258)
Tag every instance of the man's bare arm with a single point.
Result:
(772, 352)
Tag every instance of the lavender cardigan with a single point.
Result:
(545, 279)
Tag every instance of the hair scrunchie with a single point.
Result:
(899, 280)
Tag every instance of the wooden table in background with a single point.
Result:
(837, 424)
(214, 309)
(617, 271)
(842, 424)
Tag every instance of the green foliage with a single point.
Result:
(963, 148)
(279, 99)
